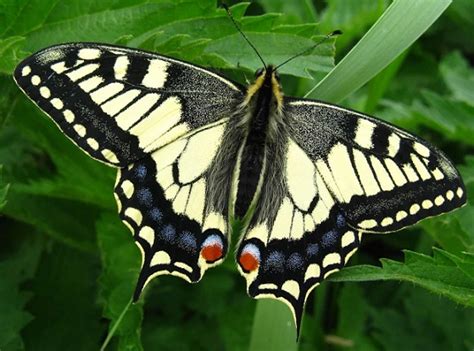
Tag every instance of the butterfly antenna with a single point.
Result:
(243, 35)
(326, 37)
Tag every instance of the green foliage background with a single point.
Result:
(68, 266)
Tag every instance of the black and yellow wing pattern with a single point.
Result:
(194, 151)
(161, 123)
(340, 174)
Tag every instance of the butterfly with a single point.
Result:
(196, 152)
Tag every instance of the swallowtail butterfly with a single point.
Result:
(195, 151)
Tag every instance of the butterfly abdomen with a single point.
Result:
(262, 109)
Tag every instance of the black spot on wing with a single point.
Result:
(137, 69)
(380, 139)
(70, 58)
(404, 153)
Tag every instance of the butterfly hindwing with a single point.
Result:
(167, 202)
(287, 268)
(119, 104)
(297, 236)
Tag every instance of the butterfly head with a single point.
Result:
(267, 79)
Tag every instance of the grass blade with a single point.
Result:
(399, 26)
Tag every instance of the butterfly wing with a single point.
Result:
(339, 174)
(382, 177)
(163, 123)
(119, 104)
(170, 202)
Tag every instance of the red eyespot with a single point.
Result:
(248, 262)
(212, 253)
(249, 258)
(212, 248)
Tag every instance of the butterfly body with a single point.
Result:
(261, 114)
(195, 151)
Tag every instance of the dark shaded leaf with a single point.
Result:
(64, 303)
(18, 264)
(120, 265)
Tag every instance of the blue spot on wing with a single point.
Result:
(145, 197)
(295, 261)
(168, 233)
(275, 262)
(340, 221)
(312, 250)
(329, 239)
(141, 172)
(156, 214)
(187, 242)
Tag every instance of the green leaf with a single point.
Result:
(183, 316)
(455, 31)
(399, 26)
(418, 320)
(353, 314)
(9, 49)
(451, 118)
(379, 85)
(120, 265)
(64, 302)
(352, 17)
(439, 274)
(274, 48)
(294, 11)
(67, 221)
(459, 77)
(18, 264)
(107, 25)
(18, 17)
(8, 99)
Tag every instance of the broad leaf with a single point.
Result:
(439, 274)
(459, 77)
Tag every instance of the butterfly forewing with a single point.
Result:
(120, 104)
(382, 177)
